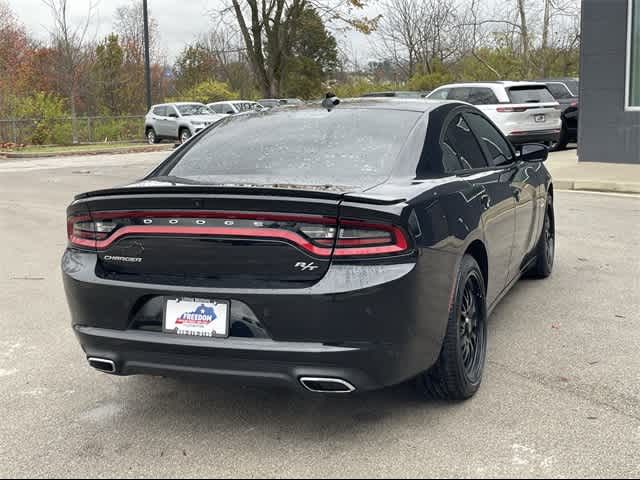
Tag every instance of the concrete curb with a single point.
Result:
(104, 151)
(598, 186)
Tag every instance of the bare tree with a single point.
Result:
(417, 34)
(70, 43)
(524, 34)
(399, 33)
(129, 25)
(474, 34)
(267, 27)
(226, 48)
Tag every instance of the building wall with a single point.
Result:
(607, 133)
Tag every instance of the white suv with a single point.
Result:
(526, 112)
(179, 121)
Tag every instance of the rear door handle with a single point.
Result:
(486, 201)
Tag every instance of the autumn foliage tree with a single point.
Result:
(15, 53)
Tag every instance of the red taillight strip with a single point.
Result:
(298, 218)
(353, 242)
(211, 231)
(400, 240)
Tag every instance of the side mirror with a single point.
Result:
(533, 152)
(173, 115)
(230, 112)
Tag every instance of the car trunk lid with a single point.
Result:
(252, 237)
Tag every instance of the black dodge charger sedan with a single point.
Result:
(329, 250)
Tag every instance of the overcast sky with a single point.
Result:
(180, 21)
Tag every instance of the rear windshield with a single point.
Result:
(530, 94)
(345, 147)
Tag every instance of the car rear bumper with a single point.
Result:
(542, 136)
(267, 362)
(371, 326)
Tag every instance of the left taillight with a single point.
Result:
(84, 232)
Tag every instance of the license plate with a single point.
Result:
(197, 318)
(540, 118)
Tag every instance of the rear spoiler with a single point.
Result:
(320, 193)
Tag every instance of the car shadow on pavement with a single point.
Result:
(231, 406)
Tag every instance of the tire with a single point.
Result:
(562, 142)
(546, 248)
(185, 135)
(152, 138)
(457, 374)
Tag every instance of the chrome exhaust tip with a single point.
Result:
(102, 364)
(327, 385)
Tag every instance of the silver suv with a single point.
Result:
(177, 121)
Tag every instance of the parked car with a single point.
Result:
(369, 243)
(235, 107)
(177, 121)
(566, 91)
(525, 112)
(293, 101)
(280, 102)
(396, 94)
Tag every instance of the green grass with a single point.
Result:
(73, 148)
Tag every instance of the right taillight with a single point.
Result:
(355, 239)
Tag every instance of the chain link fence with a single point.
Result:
(59, 131)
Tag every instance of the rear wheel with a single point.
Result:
(457, 374)
(185, 135)
(546, 249)
(562, 142)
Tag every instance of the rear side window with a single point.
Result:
(498, 148)
(530, 94)
(559, 91)
(160, 111)
(228, 108)
(573, 86)
(460, 148)
(461, 94)
(482, 96)
(441, 94)
(311, 147)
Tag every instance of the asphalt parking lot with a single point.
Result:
(561, 395)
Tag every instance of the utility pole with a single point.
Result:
(147, 59)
